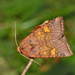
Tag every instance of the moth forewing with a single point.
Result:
(47, 41)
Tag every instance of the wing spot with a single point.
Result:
(53, 52)
(46, 29)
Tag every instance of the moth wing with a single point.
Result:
(38, 43)
(44, 41)
(63, 48)
(57, 27)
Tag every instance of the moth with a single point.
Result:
(46, 41)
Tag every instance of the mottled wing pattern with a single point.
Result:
(46, 41)
(62, 47)
(58, 38)
(38, 44)
(57, 28)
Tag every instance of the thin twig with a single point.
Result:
(31, 60)
(27, 67)
(16, 37)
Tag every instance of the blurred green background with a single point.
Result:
(28, 14)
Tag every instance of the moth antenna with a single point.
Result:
(18, 46)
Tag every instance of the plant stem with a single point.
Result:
(27, 67)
